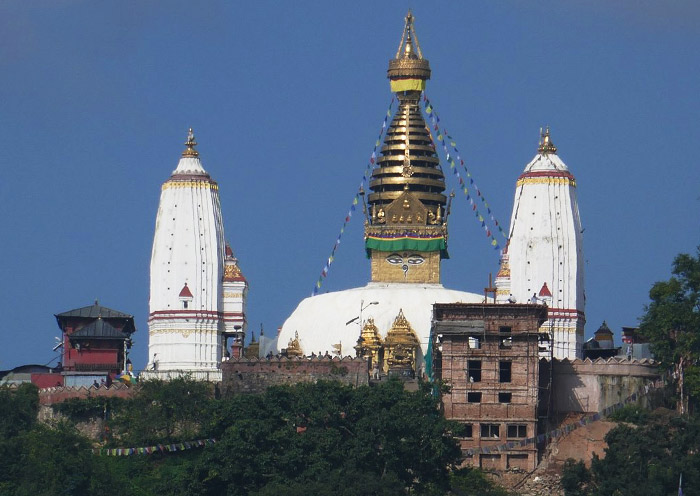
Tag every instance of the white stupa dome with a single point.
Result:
(322, 321)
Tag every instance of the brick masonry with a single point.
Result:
(256, 375)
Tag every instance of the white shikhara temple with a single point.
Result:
(198, 294)
(543, 261)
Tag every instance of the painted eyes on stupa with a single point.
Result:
(413, 259)
(395, 259)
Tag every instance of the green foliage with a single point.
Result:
(575, 477)
(162, 412)
(322, 439)
(633, 414)
(672, 321)
(18, 409)
(473, 482)
(300, 435)
(643, 459)
(46, 461)
(80, 409)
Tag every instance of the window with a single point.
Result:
(505, 397)
(184, 304)
(473, 397)
(506, 338)
(474, 370)
(475, 342)
(516, 430)
(504, 371)
(490, 431)
(468, 430)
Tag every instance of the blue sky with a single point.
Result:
(286, 100)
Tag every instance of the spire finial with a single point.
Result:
(545, 145)
(408, 70)
(190, 144)
(409, 41)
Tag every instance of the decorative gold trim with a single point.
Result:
(185, 332)
(233, 295)
(190, 184)
(546, 180)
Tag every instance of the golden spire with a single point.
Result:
(190, 144)
(408, 161)
(546, 145)
(408, 70)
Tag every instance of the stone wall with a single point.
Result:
(585, 386)
(255, 375)
(49, 396)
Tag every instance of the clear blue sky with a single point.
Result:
(287, 99)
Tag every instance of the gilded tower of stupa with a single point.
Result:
(406, 230)
(405, 239)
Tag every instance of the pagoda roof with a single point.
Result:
(93, 312)
(100, 329)
(96, 312)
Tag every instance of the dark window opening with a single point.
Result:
(473, 397)
(184, 304)
(468, 430)
(474, 370)
(490, 430)
(505, 397)
(506, 338)
(516, 430)
(504, 372)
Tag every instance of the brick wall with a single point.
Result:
(256, 375)
(49, 396)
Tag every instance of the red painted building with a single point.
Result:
(95, 343)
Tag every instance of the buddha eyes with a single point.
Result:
(395, 259)
(413, 259)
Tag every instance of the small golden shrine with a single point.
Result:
(293, 347)
(400, 347)
(253, 349)
(369, 344)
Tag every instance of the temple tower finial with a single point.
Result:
(408, 70)
(546, 145)
(190, 144)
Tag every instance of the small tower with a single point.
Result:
(186, 321)
(545, 248)
(400, 348)
(369, 344)
(406, 230)
(502, 282)
(234, 297)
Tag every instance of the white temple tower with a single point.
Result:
(190, 314)
(544, 255)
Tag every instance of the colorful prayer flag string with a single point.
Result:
(355, 201)
(149, 450)
(443, 137)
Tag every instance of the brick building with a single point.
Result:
(488, 355)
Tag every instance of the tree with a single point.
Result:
(646, 458)
(672, 326)
(162, 412)
(367, 440)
